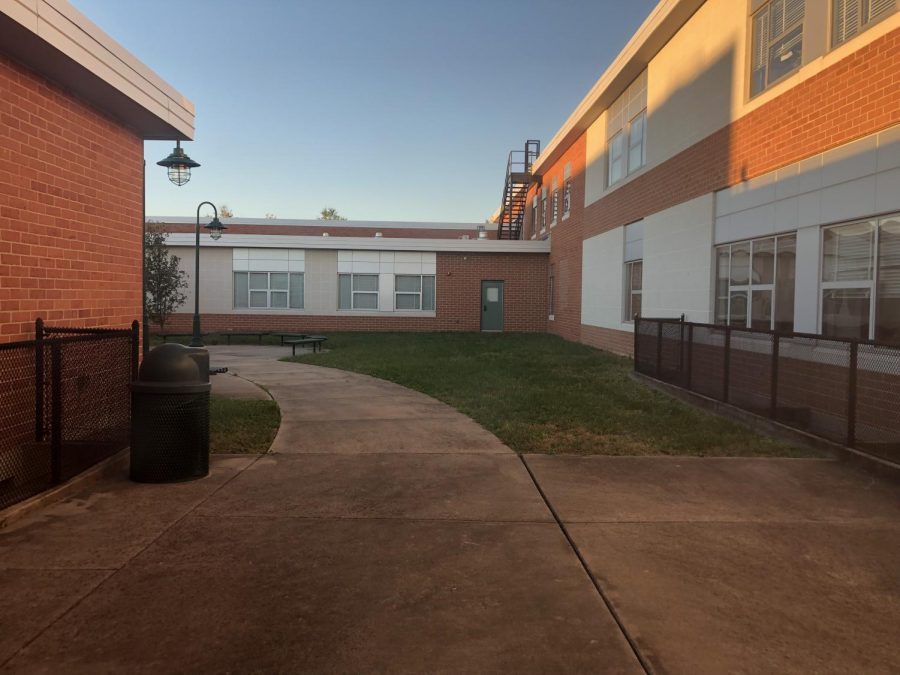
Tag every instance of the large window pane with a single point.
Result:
(428, 293)
(297, 290)
(365, 282)
(616, 158)
(849, 251)
(259, 299)
(887, 312)
(636, 142)
(259, 281)
(785, 54)
(279, 299)
(365, 301)
(740, 264)
(408, 284)
(784, 284)
(240, 290)
(723, 259)
(635, 305)
(278, 281)
(845, 313)
(761, 310)
(637, 273)
(738, 316)
(344, 293)
(407, 301)
(764, 261)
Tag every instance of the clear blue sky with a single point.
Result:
(383, 109)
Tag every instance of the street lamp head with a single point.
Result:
(179, 165)
(216, 228)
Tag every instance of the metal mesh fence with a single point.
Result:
(843, 390)
(64, 406)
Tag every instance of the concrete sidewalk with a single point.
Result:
(389, 533)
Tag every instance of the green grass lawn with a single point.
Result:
(539, 393)
(242, 426)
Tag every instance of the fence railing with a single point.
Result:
(846, 391)
(64, 405)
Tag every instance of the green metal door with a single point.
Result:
(492, 305)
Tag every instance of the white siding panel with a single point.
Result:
(602, 279)
(889, 149)
(887, 191)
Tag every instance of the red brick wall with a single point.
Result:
(615, 341)
(70, 210)
(317, 230)
(458, 302)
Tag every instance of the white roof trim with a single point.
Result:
(57, 24)
(329, 224)
(360, 243)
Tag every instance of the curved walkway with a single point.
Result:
(386, 532)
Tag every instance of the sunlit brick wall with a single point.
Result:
(70, 210)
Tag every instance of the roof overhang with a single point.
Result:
(360, 243)
(329, 224)
(658, 28)
(57, 41)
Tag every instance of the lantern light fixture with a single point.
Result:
(179, 165)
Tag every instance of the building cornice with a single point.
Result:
(185, 239)
(375, 225)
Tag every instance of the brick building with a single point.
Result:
(75, 108)
(315, 276)
(739, 162)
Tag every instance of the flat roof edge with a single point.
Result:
(186, 239)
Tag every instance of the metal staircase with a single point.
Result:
(515, 190)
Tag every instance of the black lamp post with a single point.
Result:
(215, 232)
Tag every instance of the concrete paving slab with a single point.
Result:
(289, 595)
(34, 599)
(753, 597)
(108, 523)
(226, 385)
(462, 487)
(429, 435)
(615, 489)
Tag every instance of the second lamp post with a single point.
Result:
(215, 232)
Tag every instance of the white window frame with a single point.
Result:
(769, 41)
(543, 211)
(749, 287)
(621, 157)
(554, 207)
(534, 214)
(630, 292)
(420, 294)
(626, 135)
(860, 25)
(567, 199)
(354, 292)
(268, 290)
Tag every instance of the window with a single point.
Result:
(543, 209)
(567, 199)
(534, 215)
(554, 207)
(634, 269)
(755, 283)
(634, 272)
(777, 42)
(861, 280)
(551, 300)
(851, 17)
(413, 292)
(268, 290)
(357, 291)
(627, 131)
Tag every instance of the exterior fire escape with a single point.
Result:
(515, 190)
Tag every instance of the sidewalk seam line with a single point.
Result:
(644, 663)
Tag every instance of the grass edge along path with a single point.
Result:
(539, 393)
(239, 426)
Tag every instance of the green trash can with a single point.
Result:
(170, 416)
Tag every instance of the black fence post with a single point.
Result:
(726, 374)
(55, 411)
(851, 395)
(135, 348)
(38, 380)
(773, 403)
(690, 355)
(681, 349)
(659, 327)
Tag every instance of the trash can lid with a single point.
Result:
(172, 362)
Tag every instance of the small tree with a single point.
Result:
(165, 283)
(225, 212)
(329, 213)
